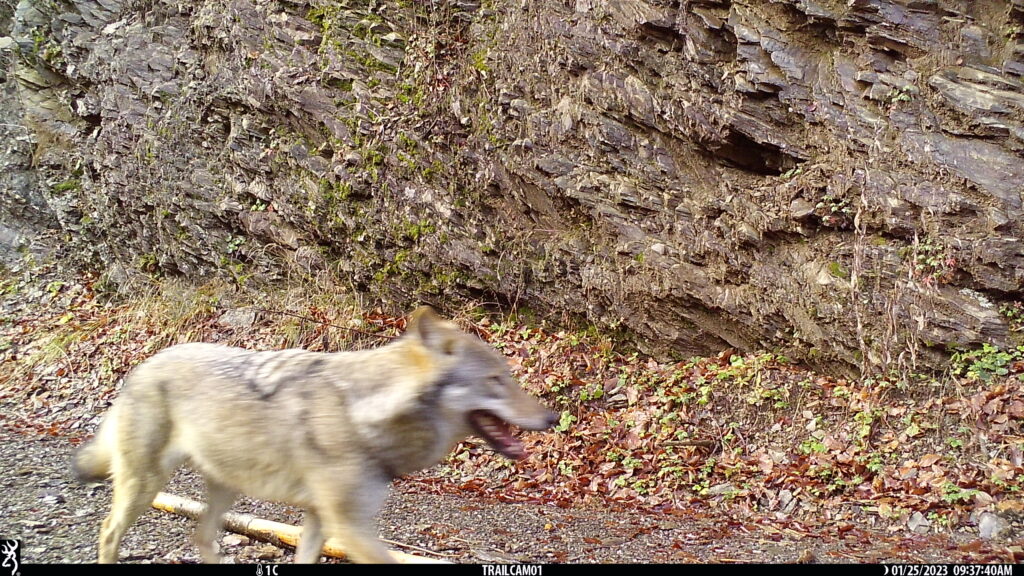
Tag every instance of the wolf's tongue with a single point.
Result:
(497, 433)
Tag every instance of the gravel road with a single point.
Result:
(57, 520)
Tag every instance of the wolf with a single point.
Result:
(327, 432)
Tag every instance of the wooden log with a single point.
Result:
(276, 533)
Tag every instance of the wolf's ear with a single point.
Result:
(426, 325)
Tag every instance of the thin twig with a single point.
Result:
(701, 443)
(418, 549)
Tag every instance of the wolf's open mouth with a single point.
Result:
(497, 433)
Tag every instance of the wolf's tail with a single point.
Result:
(91, 462)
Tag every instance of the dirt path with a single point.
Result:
(57, 519)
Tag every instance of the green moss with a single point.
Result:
(836, 269)
(416, 230)
(479, 61)
(343, 84)
(411, 94)
(148, 263)
(405, 142)
(407, 161)
(334, 193)
(435, 169)
(66, 186)
(324, 16)
(392, 267)
(368, 61)
(373, 157)
(441, 280)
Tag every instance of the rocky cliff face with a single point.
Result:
(839, 179)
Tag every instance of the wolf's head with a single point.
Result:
(476, 384)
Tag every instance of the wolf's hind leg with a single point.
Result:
(132, 496)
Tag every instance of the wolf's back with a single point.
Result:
(187, 376)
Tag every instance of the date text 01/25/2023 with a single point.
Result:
(948, 570)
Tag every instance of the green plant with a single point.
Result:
(834, 211)
(55, 287)
(731, 434)
(1014, 314)
(1004, 485)
(234, 243)
(558, 383)
(812, 446)
(939, 519)
(865, 422)
(903, 94)
(565, 421)
(592, 392)
(630, 462)
(874, 463)
(479, 60)
(405, 142)
(953, 493)
(931, 261)
(792, 173)
(985, 363)
(704, 474)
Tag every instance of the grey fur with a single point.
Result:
(323, 431)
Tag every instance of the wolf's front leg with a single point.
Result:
(311, 543)
(219, 499)
(347, 513)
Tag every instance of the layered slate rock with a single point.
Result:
(840, 180)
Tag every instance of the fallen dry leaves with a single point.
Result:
(748, 432)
